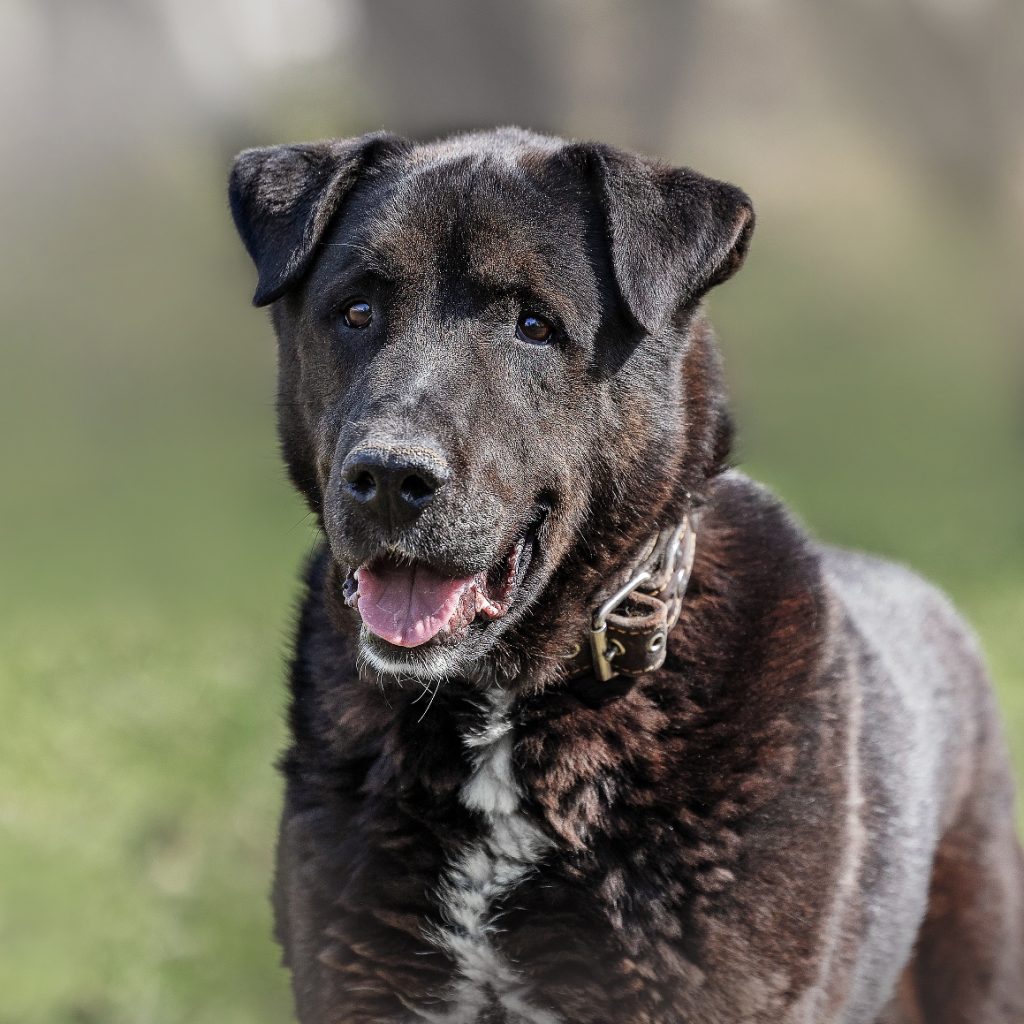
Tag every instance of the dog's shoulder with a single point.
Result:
(754, 539)
(895, 608)
(919, 674)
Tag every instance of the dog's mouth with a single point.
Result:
(410, 603)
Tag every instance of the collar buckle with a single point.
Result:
(601, 650)
(664, 590)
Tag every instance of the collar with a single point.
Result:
(628, 632)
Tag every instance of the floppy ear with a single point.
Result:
(674, 234)
(283, 197)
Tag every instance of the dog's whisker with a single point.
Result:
(424, 690)
(437, 687)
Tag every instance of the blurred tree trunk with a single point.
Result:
(630, 61)
(596, 67)
(111, 76)
(451, 64)
(947, 82)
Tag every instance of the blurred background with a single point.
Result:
(150, 544)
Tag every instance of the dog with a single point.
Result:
(583, 726)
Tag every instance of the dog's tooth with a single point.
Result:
(350, 590)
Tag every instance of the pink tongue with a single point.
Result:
(407, 605)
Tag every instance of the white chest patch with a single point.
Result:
(484, 872)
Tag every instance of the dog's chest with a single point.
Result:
(480, 875)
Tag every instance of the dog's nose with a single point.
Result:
(394, 483)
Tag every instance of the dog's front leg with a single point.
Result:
(353, 958)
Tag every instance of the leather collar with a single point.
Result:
(628, 632)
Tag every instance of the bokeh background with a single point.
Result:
(149, 543)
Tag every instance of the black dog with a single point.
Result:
(530, 780)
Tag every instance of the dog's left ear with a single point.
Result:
(283, 197)
(674, 234)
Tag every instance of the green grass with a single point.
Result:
(150, 552)
(150, 549)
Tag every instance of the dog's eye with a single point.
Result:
(533, 329)
(358, 314)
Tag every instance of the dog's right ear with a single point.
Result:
(283, 197)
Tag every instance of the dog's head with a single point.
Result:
(488, 366)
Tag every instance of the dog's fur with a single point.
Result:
(805, 816)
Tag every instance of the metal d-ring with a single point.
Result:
(683, 538)
(613, 602)
(602, 657)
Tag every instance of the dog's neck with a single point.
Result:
(604, 560)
